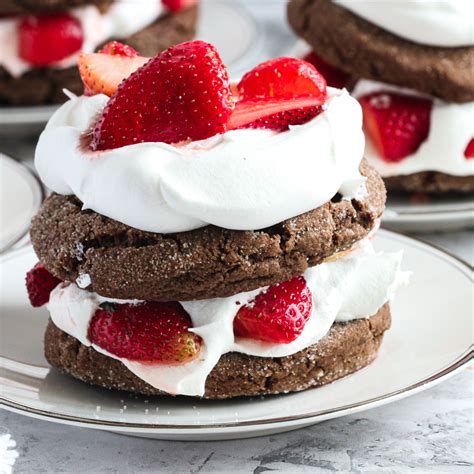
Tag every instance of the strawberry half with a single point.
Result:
(39, 284)
(282, 78)
(115, 48)
(103, 73)
(181, 94)
(147, 332)
(177, 5)
(277, 315)
(469, 151)
(334, 77)
(397, 124)
(274, 114)
(46, 39)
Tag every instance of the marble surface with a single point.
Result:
(429, 432)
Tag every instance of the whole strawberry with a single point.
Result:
(181, 94)
(277, 315)
(148, 332)
(39, 284)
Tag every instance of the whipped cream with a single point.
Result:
(445, 23)
(242, 179)
(352, 287)
(122, 19)
(451, 129)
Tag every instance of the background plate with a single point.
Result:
(430, 339)
(20, 198)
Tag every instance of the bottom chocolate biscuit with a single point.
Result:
(431, 182)
(347, 347)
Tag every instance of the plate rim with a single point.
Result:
(438, 376)
(38, 191)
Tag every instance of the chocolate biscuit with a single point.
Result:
(345, 349)
(45, 85)
(364, 50)
(210, 262)
(431, 182)
(26, 7)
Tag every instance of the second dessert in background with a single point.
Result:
(40, 40)
(413, 62)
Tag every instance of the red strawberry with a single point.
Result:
(397, 124)
(145, 332)
(277, 315)
(39, 284)
(115, 48)
(177, 5)
(103, 73)
(181, 94)
(469, 152)
(47, 39)
(282, 78)
(275, 114)
(334, 77)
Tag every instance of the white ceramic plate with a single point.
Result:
(20, 198)
(230, 27)
(430, 340)
(444, 213)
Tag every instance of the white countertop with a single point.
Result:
(428, 432)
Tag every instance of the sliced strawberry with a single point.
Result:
(396, 123)
(145, 332)
(334, 77)
(177, 5)
(103, 73)
(277, 315)
(181, 94)
(115, 48)
(47, 39)
(282, 78)
(39, 284)
(274, 114)
(469, 151)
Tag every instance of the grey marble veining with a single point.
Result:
(429, 432)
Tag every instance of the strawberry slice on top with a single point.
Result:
(469, 151)
(102, 73)
(334, 77)
(279, 93)
(283, 78)
(396, 123)
(181, 94)
(277, 315)
(147, 332)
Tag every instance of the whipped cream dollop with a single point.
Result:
(351, 287)
(445, 23)
(242, 179)
(451, 130)
(122, 19)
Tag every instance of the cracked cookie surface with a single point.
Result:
(126, 263)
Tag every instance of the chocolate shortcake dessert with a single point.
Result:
(414, 65)
(40, 40)
(208, 239)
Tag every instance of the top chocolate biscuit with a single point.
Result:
(127, 263)
(25, 7)
(364, 50)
